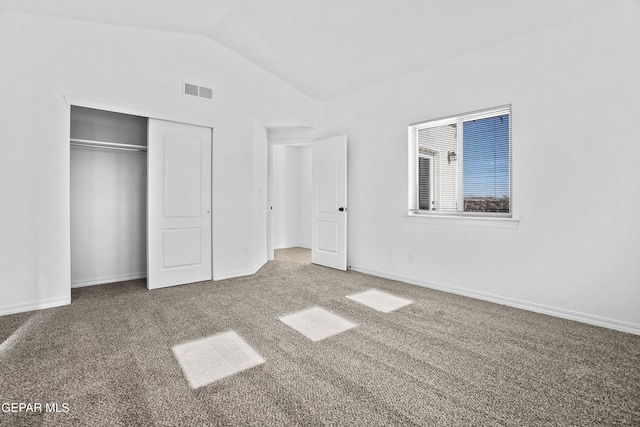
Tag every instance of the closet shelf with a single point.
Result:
(107, 145)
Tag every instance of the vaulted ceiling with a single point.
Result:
(328, 48)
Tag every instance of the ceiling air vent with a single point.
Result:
(191, 89)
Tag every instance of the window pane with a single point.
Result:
(424, 183)
(434, 143)
(486, 170)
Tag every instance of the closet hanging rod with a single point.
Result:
(107, 145)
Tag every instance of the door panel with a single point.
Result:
(329, 206)
(328, 235)
(182, 176)
(181, 247)
(328, 180)
(179, 204)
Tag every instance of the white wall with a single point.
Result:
(285, 196)
(574, 90)
(46, 58)
(292, 196)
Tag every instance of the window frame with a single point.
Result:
(414, 153)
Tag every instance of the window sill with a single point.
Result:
(462, 221)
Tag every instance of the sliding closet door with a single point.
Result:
(179, 204)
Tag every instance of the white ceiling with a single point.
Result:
(328, 48)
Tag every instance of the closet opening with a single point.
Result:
(108, 196)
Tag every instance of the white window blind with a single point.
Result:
(462, 164)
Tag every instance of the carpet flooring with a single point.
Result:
(294, 254)
(442, 360)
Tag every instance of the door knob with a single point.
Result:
(342, 209)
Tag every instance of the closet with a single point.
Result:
(140, 199)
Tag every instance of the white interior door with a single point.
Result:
(179, 204)
(329, 205)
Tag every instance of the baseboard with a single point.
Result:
(512, 302)
(107, 279)
(35, 305)
(241, 273)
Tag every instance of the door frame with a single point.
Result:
(141, 111)
(135, 111)
(270, 215)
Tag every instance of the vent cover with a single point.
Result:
(202, 92)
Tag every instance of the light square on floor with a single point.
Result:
(379, 300)
(317, 323)
(209, 359)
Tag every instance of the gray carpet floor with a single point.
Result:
(442, 360)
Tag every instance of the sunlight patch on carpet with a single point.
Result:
(210, 359)
(19, 333)
(379, 300)
(317, 323)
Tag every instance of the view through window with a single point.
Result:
(462, 164)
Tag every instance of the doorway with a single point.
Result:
(290, 201)
(307, 202)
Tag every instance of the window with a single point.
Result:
(462, 164)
